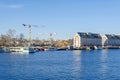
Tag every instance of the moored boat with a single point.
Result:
(22, 49)
(51, 49)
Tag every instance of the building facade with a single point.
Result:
(110, 40)
(82, 39)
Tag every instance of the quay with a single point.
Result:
(39, 49)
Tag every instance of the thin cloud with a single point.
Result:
(14, 6)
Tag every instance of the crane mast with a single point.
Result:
(29, 34)
(29, 38)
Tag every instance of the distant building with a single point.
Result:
(87, 39)
(111, 40)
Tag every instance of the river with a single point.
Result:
(61, 65)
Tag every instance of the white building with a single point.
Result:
(111, 40)
(87, 39)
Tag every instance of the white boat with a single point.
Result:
(51, 49)
(28, 50)
(21, 49)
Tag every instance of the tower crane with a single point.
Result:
(50, 37)
(29, 32)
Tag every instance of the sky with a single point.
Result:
(63, 17)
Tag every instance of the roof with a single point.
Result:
(112, 36)
(89, 35)
(82, 34)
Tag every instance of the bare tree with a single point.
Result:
(10, 35)
(21, 40)
(3, 40)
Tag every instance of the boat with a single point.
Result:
(21, 49)
(51, 49)
(28, 50)
(4, 50)
(1, 50)
(62, 49)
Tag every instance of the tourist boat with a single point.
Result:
(21, 49)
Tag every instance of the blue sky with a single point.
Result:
(64, 17)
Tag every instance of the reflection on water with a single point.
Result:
(104, 66)
(104, 56)
(77, 64)
(76, 55)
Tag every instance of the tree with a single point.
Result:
(61, 44)
(10, 35)
(3, 40)
(21, 40)
(70, 42)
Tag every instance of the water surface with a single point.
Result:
(61, 65)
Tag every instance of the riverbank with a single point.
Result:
(37, 49)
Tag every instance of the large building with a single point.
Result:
(82, 39)
(111, 40)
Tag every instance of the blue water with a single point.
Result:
(61, 65)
